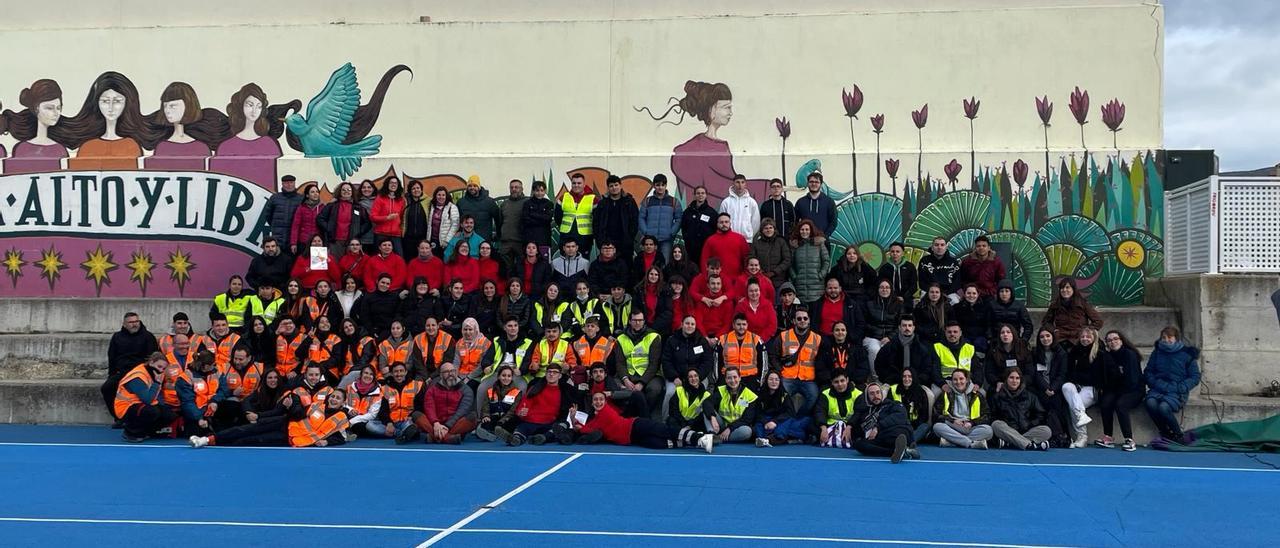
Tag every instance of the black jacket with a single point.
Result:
(888, 418)
(279, 214)
(848, 357)
(126, 350)
(783, 213)
(1055, 373)
(998, 361)
(851, 316)
(681, 352)
(375, 311)
(945, 271)
(1022, 410)
(929, 324)
(540, 279)
(273, 270)
(601, 275)
(535, 220)
(924, 362)
(1122, 372)
(975, 318)
(360, 226)
(616, 221)
(1013, 313)
(695, 230)
(881, 317)
(415, 309)
(858, 282)
(902, 279)
(1081, 370)
(659, 319)
(777, 406)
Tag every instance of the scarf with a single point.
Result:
(906, 349)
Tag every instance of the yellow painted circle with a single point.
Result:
(1131, 254)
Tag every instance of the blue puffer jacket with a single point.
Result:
(279, 213)
(1172, 372)
(660, 217)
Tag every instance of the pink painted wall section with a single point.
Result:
(84, 267)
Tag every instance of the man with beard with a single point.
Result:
(446, 408)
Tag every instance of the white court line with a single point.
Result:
(504, 498)
(753, 537)
(222, 524)
(850, 458)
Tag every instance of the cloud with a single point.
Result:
(1220, 82)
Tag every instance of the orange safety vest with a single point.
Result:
(195, 342)
(438, 347)
(320, 352)
(206, 388)
(126, 399)
(315, 426)
(740, 353)
(352, 356)
(287, 353)
(389, 353)
(222, 350)
(242, 385)
(360, 404)
(806, 353)
(307, 398)
(169, 390)
(400, 402)
(470, 353)
(314, 310)
(585, 354)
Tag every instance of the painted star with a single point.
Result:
(180, 267)
(51, 265)
(97, 266)
(140, 269)
(13, 263)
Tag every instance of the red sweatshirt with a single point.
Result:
(763, 321)
(432, 269)
(714, 320)
(611, 425)
(377, 265)
(731, 248)
(383, 224)
(738, 289)
(541, 408)
(464, 268)
(489, 271)
(351, 263)
(302, 271)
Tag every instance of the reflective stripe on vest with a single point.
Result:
(690, 409)
(400, 401)
(546, 355)
(609, 314)
(894, 392)
(432, 351)
(588, 354)
(361, 404)
(233, 309)
(949, 361)
(222, 350)
(389, 353)
(975, 404)
(579, 213)
(833, 406)
(740, 353)
(514, 359)
(169, 390)
(321, 351)
(637, 354)
(242, 385)
(126, 399)
(731, 409)
(805, 353)
(307, 398)
(315, 426)
(287, 353)
(469, 354)
(205, 389)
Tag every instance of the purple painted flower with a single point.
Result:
(1080, 105)
(784, 127)
(1044, 108)
(920, 117)
(852, 102)
(1113, 114)
(877, 123)
(891, 166)
(971, 107)
(1020, 172)
(952, 170)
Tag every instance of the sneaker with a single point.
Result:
(486, 435)
(132, 439)
(1079, 441)
(1042, 446)
(117, 425)
(503, 434)
(538, 439)
(1104, 442)
(705, 442)
(591, 437)
(563, 435)
(198, 441)
(1129, 445)
(517, 439)
(763, 442)
(913, 453)
(942, 442)
(981, 444)
(1083, 420)
(350, 436)
(899, 449)
(999, 443)
(455, 439)
(409, 434)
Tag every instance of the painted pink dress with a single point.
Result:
(29, 158)
(249, 160)
(703, 161)
(170, 156)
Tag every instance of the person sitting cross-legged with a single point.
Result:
(961, 414)
(1019, 416)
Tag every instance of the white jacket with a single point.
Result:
(449, 222)
(744, 213)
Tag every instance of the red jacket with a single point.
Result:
(762, 322)
(383, 224)
(432, 269)
(738, 287)
(302, 271)
(731, 248)
(541, 408)
(377, 265)
(986, 274)
(304, 225)
(489, 271)
(439, 404)
(714, 320)
(352, 264)
(463, 268)
(611, 425)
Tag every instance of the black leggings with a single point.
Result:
(657, 435)
(882, 446)
(268, 432)
(1118, 404)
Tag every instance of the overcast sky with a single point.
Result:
(1222, 79)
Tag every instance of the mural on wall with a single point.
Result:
(117, 191)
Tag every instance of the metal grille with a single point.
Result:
(1250, 227)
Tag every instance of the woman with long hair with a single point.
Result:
(191, 132)
(302, 266)
(1045, 376)
(1121, 387)
(932, 314)
(810, 260)
(1085, 363)
(252, 151)
(778, 419)
(110, 130)
(681, 263)
(463, 267)
(1007, 351)
(37, 150)
(682, 303)
(388, 213)
(343, 220)
(491, 267)
(416, 224)
(442, 220)
(485, 309)
(515, 304)
(1070, 312)
(856, 276)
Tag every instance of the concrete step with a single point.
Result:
(1199, 411)
(1141, 324)
(28, 315)
(50, 356)
(52, 401)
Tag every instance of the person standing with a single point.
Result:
(416, 226)
(573, 214)
(728, 246)
(982, 267)
(280, 207)
(774, 253)
(938, 266)
(816, 206)
(303, 225)
(901, 274)
(615, 218)
(510, 224)
(697, 223)
(343, 220)
(778, 208)
(742, 208)
(535, 220)
(477, 204)
(388, 214)
(443, 220)
(129, 347)
(660, 216)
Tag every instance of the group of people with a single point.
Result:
(718, 329)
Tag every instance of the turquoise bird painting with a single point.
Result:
(336, 125)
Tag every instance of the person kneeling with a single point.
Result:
(605, 422)
(137, 400)
(1019, 416)
(321, 424)
(961, 414)
(834, 409)
(885, 428)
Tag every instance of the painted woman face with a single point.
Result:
(252, 110)
(174, 110)
(721, 112)
(111, 104)
(48, 112)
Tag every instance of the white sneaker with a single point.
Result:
(980, 444)
(942, 442)
(763, 442)
(1081, 441)
(705, 442)
(198, 441)
(1083, 420)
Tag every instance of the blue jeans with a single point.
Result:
(664, 247)
(808, 389)
(1165, 418)
(379, 429)
(795, 428)
(921, 432)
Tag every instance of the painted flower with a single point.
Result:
(971, 107)
(891, 166)
(952, 170)
(852, 102)
(877, 123)
(1044, 108)
(1113, 114)
(1020, 172)
(920, 117)
(784, 127)
(1080, 105)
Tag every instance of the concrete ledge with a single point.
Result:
(26, 315)
(1199, 411)
(50, 356)
(62, 401)
(1142, 324)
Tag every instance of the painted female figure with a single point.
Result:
(705, 159)
(36, 151)
(192, 130)
(109, 128)
(252, 152)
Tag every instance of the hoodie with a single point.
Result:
(961, 404)
(1013, 313)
